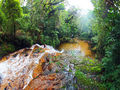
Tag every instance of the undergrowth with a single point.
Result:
(88, 74)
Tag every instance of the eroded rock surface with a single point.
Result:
(31, 68)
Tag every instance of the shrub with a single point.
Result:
(6, 49)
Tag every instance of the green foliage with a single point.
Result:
(111, 77)
(112, 66)
(88, 65)
(106, 26)
(83, 79)
(2, 17)
(2, 21)
(42, 22)
(88, 82)
(26, 40)
(58, 63)
(47, 22)
(88, 73)
(12, 11)
(11, 8)
(6, 48)
(23, 22)
(67, 26)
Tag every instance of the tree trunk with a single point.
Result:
(14, 28)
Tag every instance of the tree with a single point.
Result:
(2, 21)
(44, 16)
(107, 28)
(12, 10)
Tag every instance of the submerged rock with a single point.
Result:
(31, 68)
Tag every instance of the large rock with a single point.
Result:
(30, 69)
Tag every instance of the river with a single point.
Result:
(78, 46)
(32, 67)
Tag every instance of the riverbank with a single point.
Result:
(87, 71)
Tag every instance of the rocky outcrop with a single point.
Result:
(31, 68)
(49, 82)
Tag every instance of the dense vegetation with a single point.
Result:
(107, 30)
(47, 22)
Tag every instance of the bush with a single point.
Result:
(83, 80)
(6, 49)
(111, 63)
(88, 65)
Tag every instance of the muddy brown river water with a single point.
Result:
(78, 45)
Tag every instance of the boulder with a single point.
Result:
(30, 69)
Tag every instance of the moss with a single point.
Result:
(57, 71)
(70, 70)
(58, 63)
(88, 65)
(87, 73)
(83, 80)
(76, 62)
